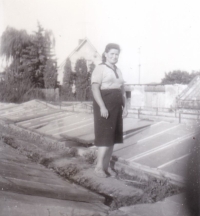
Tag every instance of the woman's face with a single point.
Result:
(112, 56)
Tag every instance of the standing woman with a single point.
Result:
(109, 105)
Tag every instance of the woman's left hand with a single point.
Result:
(125, 112)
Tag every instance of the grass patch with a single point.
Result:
(154, 189)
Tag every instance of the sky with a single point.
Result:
(160, 35)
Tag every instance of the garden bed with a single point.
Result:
(124, 190)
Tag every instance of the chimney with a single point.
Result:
(80, 41)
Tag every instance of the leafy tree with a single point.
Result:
(12, 46)
(32, 65)
(89, 91)
(32, 59)
(14, 86)
(29, 53)
(91, 68)
(67, 73)
(50, 75)
(38, 58)
(50, 69)
(41, 56)
(176, 77)
(68, 80)
(13, 42)
(16, 83)
(81, 79)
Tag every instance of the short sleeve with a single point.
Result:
(97, 75)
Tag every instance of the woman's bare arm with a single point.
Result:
(125, 109)
(97, 96)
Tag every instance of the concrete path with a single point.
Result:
(31, 189)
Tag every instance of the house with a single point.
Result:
(85, 50)
(153, 95)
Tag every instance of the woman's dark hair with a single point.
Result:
(108, 48)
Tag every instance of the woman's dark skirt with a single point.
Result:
(109, 131)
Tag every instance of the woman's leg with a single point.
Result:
(103, 157)
(107, 158)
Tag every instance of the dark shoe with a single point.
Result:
(111, 173)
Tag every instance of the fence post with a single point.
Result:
(60, 100)
(156, 111)
(45, 96)
(179, 117)
(139, 113)
(59, 93)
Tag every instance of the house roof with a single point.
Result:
(78, 48)
(192, 92)
(81, 44)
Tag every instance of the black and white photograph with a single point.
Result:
(99, 108)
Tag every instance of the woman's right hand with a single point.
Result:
(104, 112)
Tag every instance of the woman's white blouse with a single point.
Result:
(105, 76)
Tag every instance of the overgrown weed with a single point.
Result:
(68, 171)
(155, 189)
(90, 156)
(28, 136)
